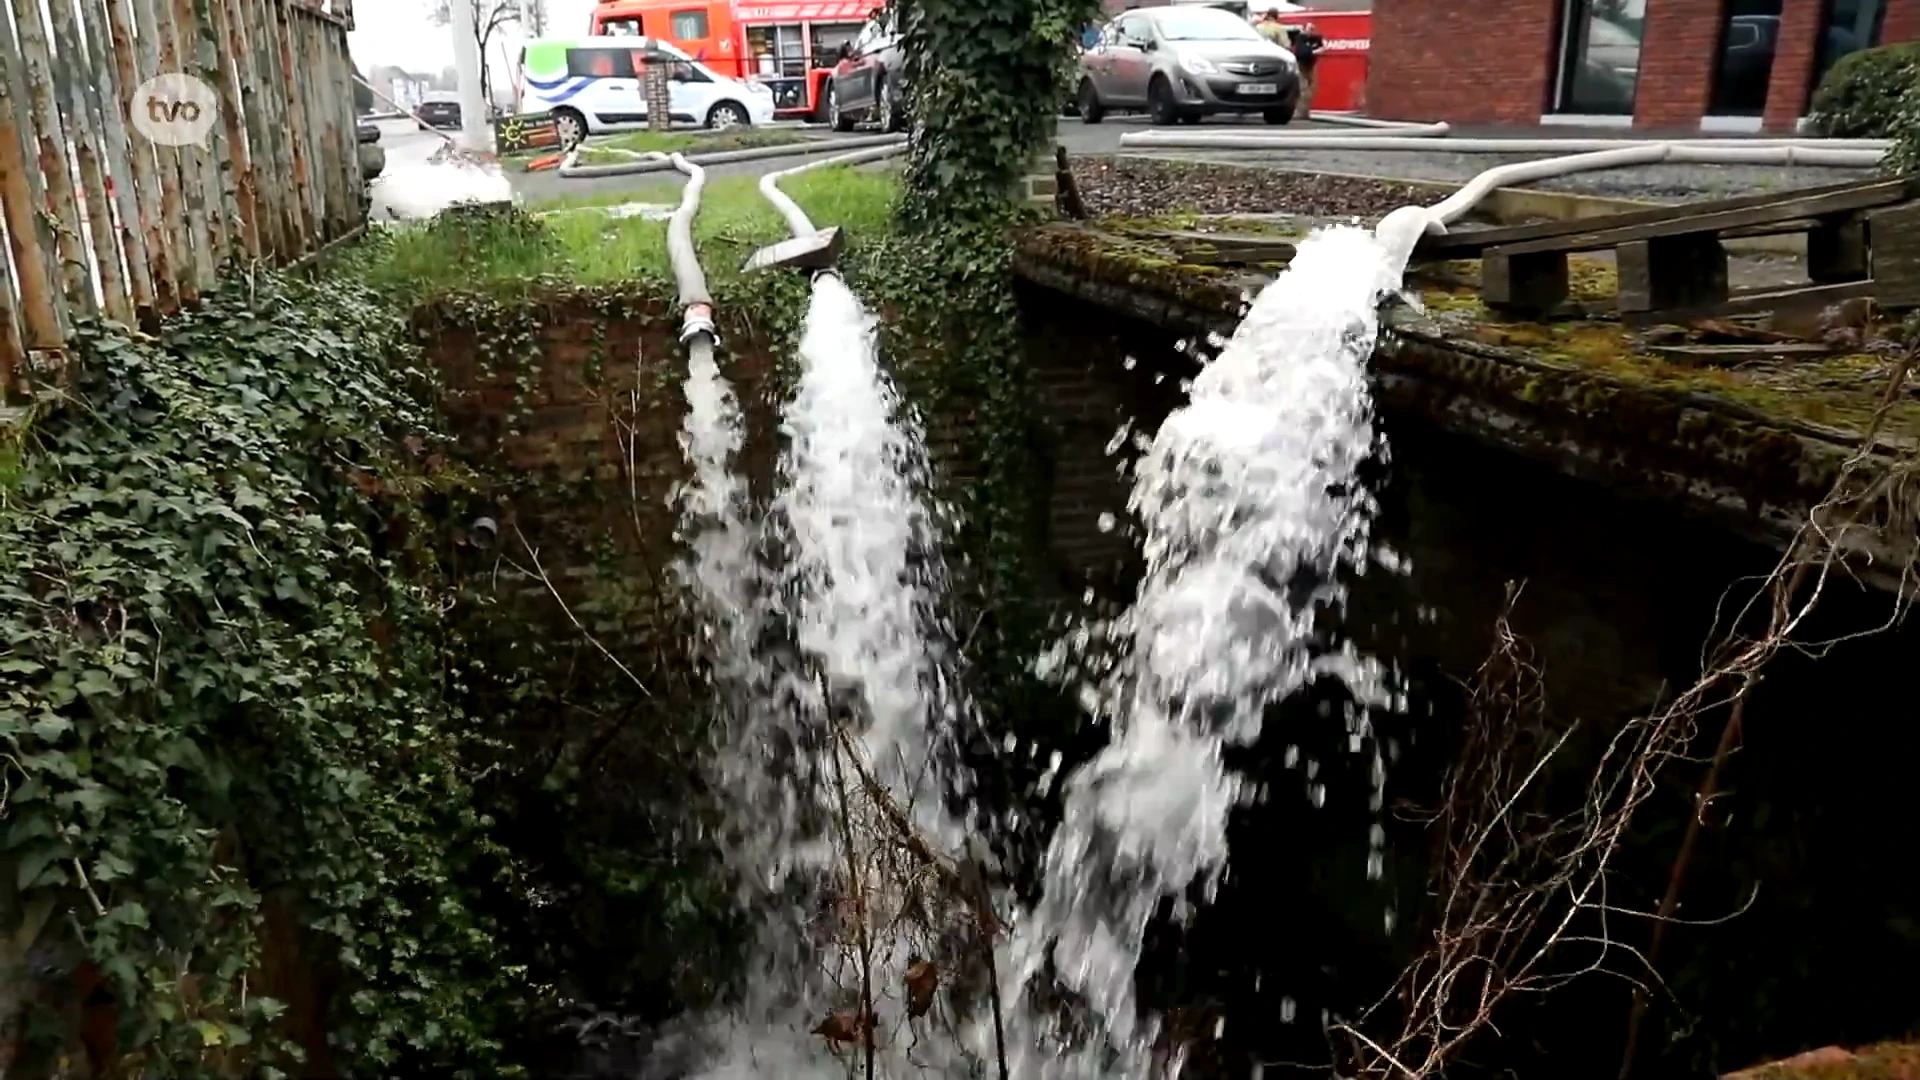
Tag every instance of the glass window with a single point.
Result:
(601, 63)
(620, 28)
(1131, 30)
(1600, 55)
(1203, 24)
(1848, 26)
(1747, 45)
(690, 25)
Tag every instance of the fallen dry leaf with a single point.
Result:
(845, 1026)
(922, 979)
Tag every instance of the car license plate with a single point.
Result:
(1257, 88)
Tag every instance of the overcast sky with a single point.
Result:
(398, 32)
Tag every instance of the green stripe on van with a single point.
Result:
(547, 58)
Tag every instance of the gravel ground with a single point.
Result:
(1142, 187)
(1661, 183)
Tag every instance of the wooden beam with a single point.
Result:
(1799, 298)
(1467, 244)
(1696, 220)
(1671, 272)
(1894, 256)
(1728, 355)
(1531, 283)
(1837, 250)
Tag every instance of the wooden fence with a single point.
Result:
(99, 220)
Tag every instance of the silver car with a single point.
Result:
(1182, 63)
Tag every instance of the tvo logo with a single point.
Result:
(174, 109)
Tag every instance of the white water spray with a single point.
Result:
(1252, 511)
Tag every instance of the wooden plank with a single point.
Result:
(1728, 355)
(229, 61)
(1894, 255)
(151, 36)
(141, 159)
(1671, 273)
(42, 311)
(1865, 196)
(1529, 283)
(1466, 244)
(106, 101)
(297, 138)
(73, 81)
(56, 169)
(1837, 250)
(1799, 298)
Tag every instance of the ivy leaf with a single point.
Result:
(37, 866)
(51, 726)
(211, 1034)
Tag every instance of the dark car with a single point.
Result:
(440, 111)
(865, 84)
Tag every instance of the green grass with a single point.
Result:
(590, 248)
(696, 142)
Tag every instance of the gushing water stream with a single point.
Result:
(1252, 515)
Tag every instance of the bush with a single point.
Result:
(1860, 97)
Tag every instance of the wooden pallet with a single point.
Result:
(1672, 260)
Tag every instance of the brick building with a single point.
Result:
(1709, 65)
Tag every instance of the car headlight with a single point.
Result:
(760, 88)
(1199, 65)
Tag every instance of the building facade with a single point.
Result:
(1689, 65)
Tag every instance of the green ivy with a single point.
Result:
(222, 675)
(1862, 94)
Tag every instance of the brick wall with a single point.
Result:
(1791, 81)
(1677, 52)
(1902, 22)
(1467, 61)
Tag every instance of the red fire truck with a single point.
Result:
(789, 45)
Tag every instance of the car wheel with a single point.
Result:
(570, 126)
(836, 119)
(728, 114)
(1091, 110)
(889, 119)
(1160, 107)
(1278, 116)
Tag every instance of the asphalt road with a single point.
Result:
(1659, 182)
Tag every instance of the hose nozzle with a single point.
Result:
(818, 250)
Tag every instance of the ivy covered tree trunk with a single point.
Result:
(987, 78)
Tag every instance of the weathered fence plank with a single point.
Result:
(73, 81)
(150, 16)
(130, 72)
(228, 52)
(298, 126)
(41, 313)
(56, 169)
(103, 101)
(98, 219)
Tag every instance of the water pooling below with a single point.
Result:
(1252, 513)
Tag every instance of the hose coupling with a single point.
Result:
(697, 320)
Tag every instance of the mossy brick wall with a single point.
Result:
(574, 403)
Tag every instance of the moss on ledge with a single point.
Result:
(1755, 444)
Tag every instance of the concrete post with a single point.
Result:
(476, 133)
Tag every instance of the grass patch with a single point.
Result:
(690, 142)
(588, 248)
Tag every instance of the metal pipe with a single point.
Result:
(568, 170)
(797, 218)
(1143, 140)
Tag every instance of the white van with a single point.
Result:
(594, 84)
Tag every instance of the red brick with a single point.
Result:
(1902, 22)
(1792, 78)
(1677, 53)
(1462, 60)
